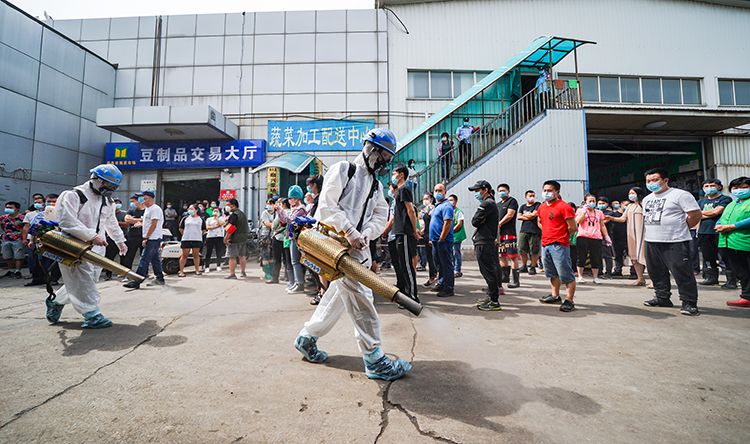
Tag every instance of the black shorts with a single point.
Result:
(191, 244)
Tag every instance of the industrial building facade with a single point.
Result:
(666, 83)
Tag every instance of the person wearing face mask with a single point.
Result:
(153, 221)
(507, 208)
(134, 235)
(428, 204)
(170, 221)
(297, 209)
(265, 242)
(712, 206)
(463, 135)
(235, 238)
(404, 229)
(591, 232)
(215, 239)
(441, 238)
(669, 213)
(485, 221)
(445, 153)
(530, 237)
(112, 250)
(632, 217)
(619, 234)
(459, 235)
(353, 202)
(87, 213)
(12, 239)
(557, 221)
(37, 275)
(734, 237)
(608, 251)
(192, 228)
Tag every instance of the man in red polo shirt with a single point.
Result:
(557, 221)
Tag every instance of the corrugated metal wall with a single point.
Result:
(731, 158)
(559, 138)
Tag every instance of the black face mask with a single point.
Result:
(105, 189)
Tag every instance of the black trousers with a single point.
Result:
(709, 245)
(464, 154)
(214, 244)
(663, 258)
(694, 257)
(406, 275)
(134, 246)
(277, 249)
(740, 263)
(621, 248)
(591, 248)
(431, 265)
(489, 267)
(394, 260)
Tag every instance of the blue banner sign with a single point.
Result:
(187, 154)
(317, 135)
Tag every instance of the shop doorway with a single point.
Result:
(185, 192)
(617, 165)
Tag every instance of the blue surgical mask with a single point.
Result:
(439, 196)
(503, 194)
(616, 206)
(9, 211)
(710, 191)
(633, 197)
(739, 193)
(309, 189)
(191, 212)
(548, 195)
(132, 206)
(118, 206)
(601, 207)
(466, 123)
(141, 200)
(478, 196)
(38, 206)
(591, 205)
(653, 186)
(394, 180)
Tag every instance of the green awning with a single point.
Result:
(294, 162)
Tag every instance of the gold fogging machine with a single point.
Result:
(326, 252)
(70, 251)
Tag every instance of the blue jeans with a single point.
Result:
(457, 257)
(299, 271)
(557, 263)
(150, 256)
(443, 254)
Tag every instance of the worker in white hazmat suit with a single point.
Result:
(86, 213)
(352, 202)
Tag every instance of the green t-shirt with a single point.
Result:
(738, 239)
(459, 235)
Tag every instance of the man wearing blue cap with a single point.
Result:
(153, 219)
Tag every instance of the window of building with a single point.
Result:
(652, 90)
(441, 84)
(734, 92)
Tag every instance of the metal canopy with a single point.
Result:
(544, 51)
(294, 162)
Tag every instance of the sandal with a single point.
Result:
(198, 273)
(181, 274)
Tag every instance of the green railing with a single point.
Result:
(494, 133)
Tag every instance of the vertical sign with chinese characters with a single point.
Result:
(187, 154)
(272, 181)
(318, 135)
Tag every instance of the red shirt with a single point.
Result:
(552, 217)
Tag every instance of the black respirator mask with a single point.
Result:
(102, 187)
(375, 159)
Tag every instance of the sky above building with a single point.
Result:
(70, 9)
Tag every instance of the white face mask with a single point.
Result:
(228, 209)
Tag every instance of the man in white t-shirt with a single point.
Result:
(668, 214)
(153, 219)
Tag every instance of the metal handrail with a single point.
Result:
(494, 133)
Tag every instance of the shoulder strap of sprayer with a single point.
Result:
(82, 197)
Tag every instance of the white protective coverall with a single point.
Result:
(340, 205)
(80, 221)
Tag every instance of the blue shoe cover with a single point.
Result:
(95, 319)
(379, 366)
(309, 349)
(54, 310)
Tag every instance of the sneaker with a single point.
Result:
(231, 276)
(730, 285)
(296, 289)
(18, 275)
(218, 268)
(549, 299)
(420, 268)
(458, 274)
(656, 302)
(567, 306)
(307, 345)
(54, 310)
(316, 300)
(243, 274)
(386, 368)
(606, 275)
(524, 269)
(597, 281)
(207, 270)
(445, 293)
(156, 282)
(741, 302)
(132, 284)
(689, 309)
(532, 271)
(581, 280)
(483, 300)
(490, 306)
(97, 320)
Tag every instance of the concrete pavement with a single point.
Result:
(207, 360)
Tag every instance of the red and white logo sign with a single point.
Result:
(228, 194)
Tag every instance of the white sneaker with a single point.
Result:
(581, 280)
(218, 268)
(207, 270)
(597, 281)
